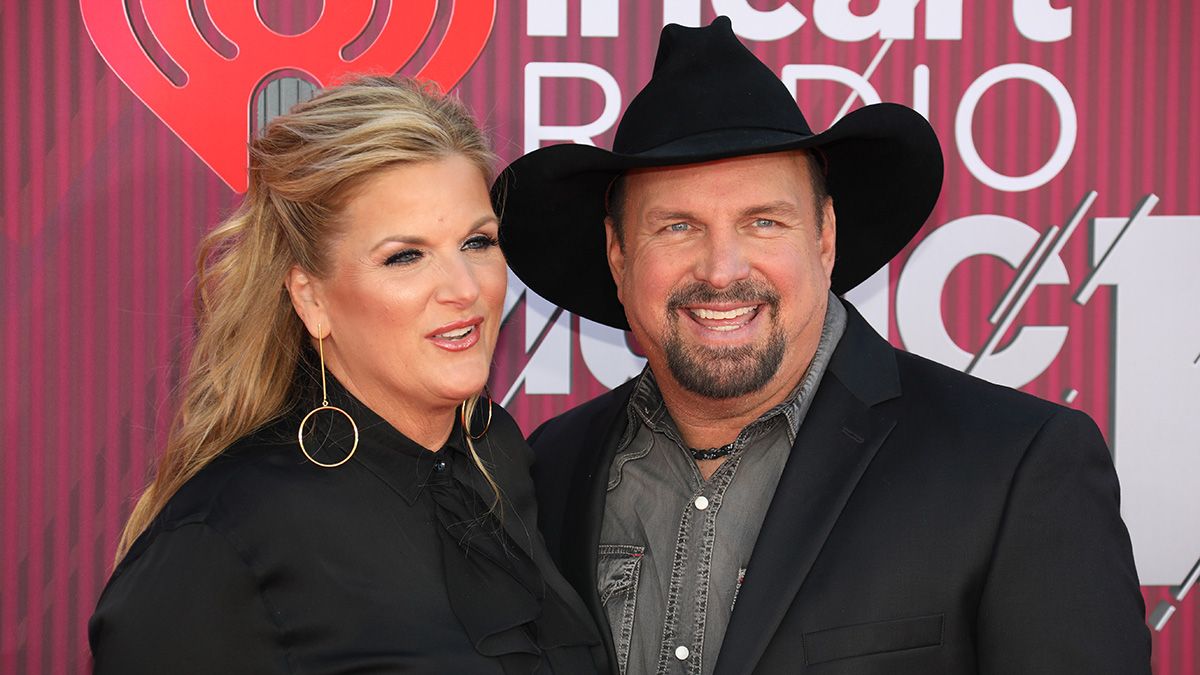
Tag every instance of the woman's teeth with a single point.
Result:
(456, 334)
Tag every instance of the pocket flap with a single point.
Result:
(872, 638)
(617, 569)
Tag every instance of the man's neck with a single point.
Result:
(709, 423)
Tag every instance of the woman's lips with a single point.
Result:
(457, 336)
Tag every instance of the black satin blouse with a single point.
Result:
(393, 562)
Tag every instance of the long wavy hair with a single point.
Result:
(249, 340)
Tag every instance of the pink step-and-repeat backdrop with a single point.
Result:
(1061, 258)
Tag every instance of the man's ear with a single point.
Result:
(308, 301)
(828, 237)
(615, 248)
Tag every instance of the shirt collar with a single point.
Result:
(646, 405)
(403, 464)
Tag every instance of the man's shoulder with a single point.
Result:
(935, 379)
(924, 385)
(959, 403)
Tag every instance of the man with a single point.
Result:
(781, 491)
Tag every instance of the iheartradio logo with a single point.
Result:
(199, 65)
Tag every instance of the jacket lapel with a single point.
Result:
(585, 507)
(836, 443)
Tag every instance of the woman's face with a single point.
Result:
(412, 303)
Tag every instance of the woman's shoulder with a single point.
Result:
(255, 472)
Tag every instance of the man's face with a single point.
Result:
(723, 268)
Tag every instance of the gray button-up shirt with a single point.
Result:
(675, 547)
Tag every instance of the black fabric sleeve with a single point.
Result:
(188, 604)
(1062, 595)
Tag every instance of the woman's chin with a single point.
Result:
(461, 389)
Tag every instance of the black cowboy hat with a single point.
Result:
(710, 98)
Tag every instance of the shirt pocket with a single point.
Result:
(878, 637)
(618, 569)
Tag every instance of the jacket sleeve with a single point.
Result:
(187, 604)
(1062, 594)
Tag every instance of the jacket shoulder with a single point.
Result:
(968, 397)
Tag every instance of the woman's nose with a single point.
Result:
(458, 285)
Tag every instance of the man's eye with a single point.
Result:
(480, 242)
(764, 222)
(405, 257)
(679, 227)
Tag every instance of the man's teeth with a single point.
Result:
(456, 334)
(728, 314)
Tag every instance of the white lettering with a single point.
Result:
(943, 19)
(606, 354)
(921, 90)
(964, 135)
(795, 72)
(1039, 21)
(682, 12)
(548, 370)
(919, 298)
(536, 132)
(755, 24)
(894, 19)
(870, 298)
(548, 18)
(1156, 384)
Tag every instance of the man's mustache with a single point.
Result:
(743, 291)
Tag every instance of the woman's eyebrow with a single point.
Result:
(479, 224)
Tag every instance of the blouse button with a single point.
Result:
(439, 466)
(701, 502)
(682, 653)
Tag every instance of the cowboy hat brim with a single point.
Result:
(884, 172)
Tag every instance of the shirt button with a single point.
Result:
(439, 466)
(701, 503)
(682, 653)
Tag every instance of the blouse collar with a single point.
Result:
(403, 464)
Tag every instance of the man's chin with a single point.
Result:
(717, 376)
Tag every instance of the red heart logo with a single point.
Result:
(210, 112)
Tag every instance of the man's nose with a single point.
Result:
(724, 259)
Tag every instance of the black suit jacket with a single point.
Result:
(926, 522)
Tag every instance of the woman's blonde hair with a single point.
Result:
(249, 339)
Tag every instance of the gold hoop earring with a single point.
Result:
(325, 406)
(462, 414)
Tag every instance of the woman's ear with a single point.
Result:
(308, 301)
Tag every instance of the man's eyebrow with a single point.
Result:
(779, 207)
(669, 214)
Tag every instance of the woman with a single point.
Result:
(327, 502)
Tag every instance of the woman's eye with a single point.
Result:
(480, 242)
(764, 222)
(678, 227)
(405, 257)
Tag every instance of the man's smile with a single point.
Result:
(723, 318)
